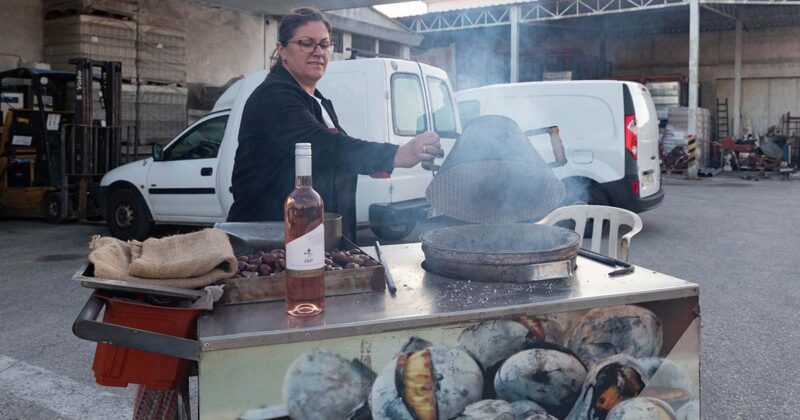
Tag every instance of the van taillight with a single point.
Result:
(380, 175)
(631, 135)
(635, 187)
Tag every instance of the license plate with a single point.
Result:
(648, 180)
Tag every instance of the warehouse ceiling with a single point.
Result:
(278, 7)
(635, 18)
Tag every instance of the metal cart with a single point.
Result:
(243, 351)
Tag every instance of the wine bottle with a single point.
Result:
(305, 241)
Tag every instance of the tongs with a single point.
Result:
(428, 165)
(624, 269)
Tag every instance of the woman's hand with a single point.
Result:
(423, 147)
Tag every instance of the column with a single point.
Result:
(737, 82)
(514, 44)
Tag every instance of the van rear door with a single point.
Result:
(646, 129)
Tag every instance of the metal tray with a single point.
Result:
(271, 288)
(86, 277)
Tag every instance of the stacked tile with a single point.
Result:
(161, 55)
(94, 37)
(162, 113)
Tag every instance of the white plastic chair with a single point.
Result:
(599, 214)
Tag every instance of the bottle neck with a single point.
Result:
(303, 181)
(302, 171)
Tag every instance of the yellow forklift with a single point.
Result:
(53, 153)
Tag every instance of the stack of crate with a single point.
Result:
(153, 60)
(666, 95)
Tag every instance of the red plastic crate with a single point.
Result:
(119, 366)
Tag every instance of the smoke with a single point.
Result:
(576, 48)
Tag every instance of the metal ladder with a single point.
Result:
(722, 119)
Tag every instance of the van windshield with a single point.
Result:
(444, 116)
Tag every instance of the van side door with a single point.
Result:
(182, 185)
(443, 113)
(408, 116)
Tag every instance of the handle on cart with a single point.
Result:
(625, 268)
(87, 327)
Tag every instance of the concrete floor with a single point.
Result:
(737, 239)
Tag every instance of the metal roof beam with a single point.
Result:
(529, 13)
(716, 11)
(754, 2)
(551, 10)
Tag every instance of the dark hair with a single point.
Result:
(288, 27)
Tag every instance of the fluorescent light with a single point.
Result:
(406, 8)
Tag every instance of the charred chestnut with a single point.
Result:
(548, 377)
(604, 332)
(320, 381)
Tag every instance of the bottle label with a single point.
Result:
(308, 251)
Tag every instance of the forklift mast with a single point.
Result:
(94, 149)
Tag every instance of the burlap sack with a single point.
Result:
(188, 261)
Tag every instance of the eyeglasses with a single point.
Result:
(308, 45)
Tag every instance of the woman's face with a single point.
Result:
(307, 64)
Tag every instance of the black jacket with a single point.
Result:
(277, 115)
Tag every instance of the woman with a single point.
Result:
(287, 109)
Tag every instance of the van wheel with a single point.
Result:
(393, 232)
(51, 207)
(127, 215)
(597, 197)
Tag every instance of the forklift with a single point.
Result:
(53, 153)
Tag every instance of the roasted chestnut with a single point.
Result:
(320, 381)
(609, 382)
(432, 383)
(491, 342)
(604, 332)
(549, 377)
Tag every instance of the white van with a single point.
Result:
(609, 130)
(188, 181)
